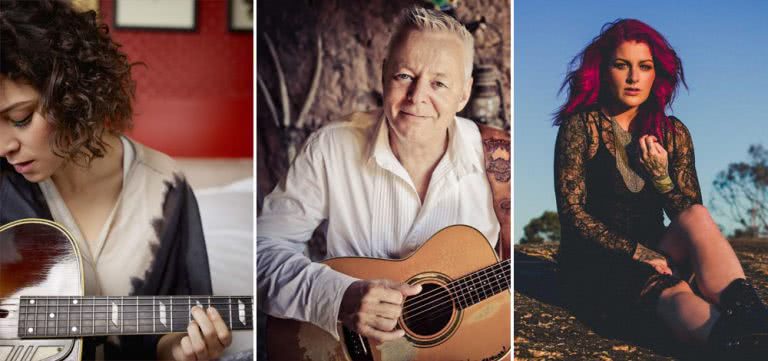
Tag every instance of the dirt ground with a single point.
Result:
(546, 330)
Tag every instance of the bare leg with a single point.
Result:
(688, 316)
(693, 238)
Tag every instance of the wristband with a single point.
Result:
(663, 184)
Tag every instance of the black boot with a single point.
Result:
(741, 332)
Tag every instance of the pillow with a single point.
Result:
(227, 217)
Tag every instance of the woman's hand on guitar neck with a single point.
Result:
(371, 307)
(206, 338)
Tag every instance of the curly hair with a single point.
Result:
(84, 80)
(585, 82)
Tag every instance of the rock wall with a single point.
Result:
(354, 36)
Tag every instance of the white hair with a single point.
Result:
(421, 19)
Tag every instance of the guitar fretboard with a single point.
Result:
(479, 285)
(80, 316)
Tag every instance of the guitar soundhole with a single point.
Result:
(428, 312)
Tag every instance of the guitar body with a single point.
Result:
(37, 257)
(45, 316)
(478, 332)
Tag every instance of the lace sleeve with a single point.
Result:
(682, 170)
(571, 152)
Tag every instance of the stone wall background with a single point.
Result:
(354, 35)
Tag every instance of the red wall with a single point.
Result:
(194, 97)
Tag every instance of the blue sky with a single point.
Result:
(725, 58)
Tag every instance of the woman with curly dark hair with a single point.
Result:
(65, 102)
(620, 163)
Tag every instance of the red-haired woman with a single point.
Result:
(620, 162)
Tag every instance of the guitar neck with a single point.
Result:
(480, 285)
(81, 316)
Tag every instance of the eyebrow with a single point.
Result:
(405, 66)
(641, 61)
(17, 104)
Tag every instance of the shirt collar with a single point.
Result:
(462, 155)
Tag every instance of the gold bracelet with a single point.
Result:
(663, 184)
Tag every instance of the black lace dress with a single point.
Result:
(602, 220)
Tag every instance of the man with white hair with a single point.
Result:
(385, 180)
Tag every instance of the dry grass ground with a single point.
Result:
(545, 330)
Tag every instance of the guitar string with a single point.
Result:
(128, 304)
(171, 297)
(175, 325)
(445, 303)
(100, 318)
(490, 286)
(65, 331)
(101, 308)
(90, 321)
(496, 267)
(85, 303)
(467, 286)
(427, 297)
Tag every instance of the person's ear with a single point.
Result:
(384, 73)
(466, 91)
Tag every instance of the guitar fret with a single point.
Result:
(35, 316)
(490, 285)
(56, 320)
(93, 315)
(69, 318)
(121, 315)
(484, 282)
(230, 313)
(478, 286)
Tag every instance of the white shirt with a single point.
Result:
(347, 173)
(124, 249)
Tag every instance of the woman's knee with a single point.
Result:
(695, 216)
(678, 289)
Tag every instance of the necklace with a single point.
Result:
(622, 139)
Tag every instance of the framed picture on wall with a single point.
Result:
(240, 15)
(85, 5)
(174, 15)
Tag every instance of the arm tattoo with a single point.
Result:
(657, 167)
(644, 253)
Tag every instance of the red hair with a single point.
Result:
(586, 83)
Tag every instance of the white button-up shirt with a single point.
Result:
(346, 173)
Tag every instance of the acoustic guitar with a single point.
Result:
(44, 314)
(462, 313)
